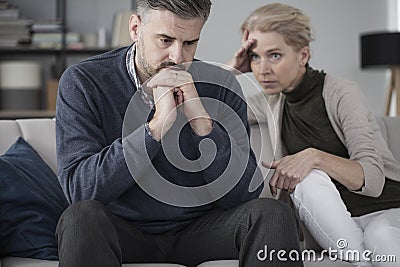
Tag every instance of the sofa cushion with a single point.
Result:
(31, 203)
(19, 262)
(390, 128)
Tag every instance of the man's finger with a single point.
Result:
(170, 78)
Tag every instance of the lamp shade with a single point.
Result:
(380, 49)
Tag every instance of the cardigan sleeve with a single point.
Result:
(257, 108)
(354, 125)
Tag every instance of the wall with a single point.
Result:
(394, 23)
(336, 24)
(94, 14)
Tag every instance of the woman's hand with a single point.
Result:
(291, 170)
(241, 61)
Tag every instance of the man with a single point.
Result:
(124, 208)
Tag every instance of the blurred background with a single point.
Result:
(45, 36)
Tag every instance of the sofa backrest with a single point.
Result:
(40, 133)
(390, 129)
(389, 126)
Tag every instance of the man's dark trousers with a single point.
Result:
(89, 234)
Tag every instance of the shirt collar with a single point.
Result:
(130, 65)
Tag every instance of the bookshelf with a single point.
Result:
(54, 60)
(26, 50)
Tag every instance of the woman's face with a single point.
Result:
(277, 66)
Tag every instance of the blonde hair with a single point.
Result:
(288, 21)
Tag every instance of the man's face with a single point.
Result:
(163, 40)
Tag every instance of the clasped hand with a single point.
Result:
(174, 89)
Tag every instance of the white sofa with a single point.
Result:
(40, 133)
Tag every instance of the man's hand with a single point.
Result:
(291, 170)
(165, 114)
(184, 94)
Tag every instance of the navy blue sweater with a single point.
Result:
(92, 139)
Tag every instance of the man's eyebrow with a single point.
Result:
(193, 41)
(162, 35)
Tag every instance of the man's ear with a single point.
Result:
(134, 25)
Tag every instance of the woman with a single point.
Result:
(344, 181)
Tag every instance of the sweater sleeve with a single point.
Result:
(234, 162)
(257, 108)
(89, 167)
(355, 127)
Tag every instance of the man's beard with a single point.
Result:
(145, 66)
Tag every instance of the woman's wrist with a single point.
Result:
(316, 158)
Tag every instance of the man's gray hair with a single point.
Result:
(187, 9)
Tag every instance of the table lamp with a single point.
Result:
(383, 50)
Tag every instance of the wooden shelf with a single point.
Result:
(26, 114)
(48, 51)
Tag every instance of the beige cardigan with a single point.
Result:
(353, 123)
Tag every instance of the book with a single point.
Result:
(9, 14)
(120, 34)
(13, 32)
(71, 37)
(54, 40)
(47, 26)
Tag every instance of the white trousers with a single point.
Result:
(320, 207)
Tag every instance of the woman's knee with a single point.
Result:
(381, 232)
(315, 187)
(313, 182)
